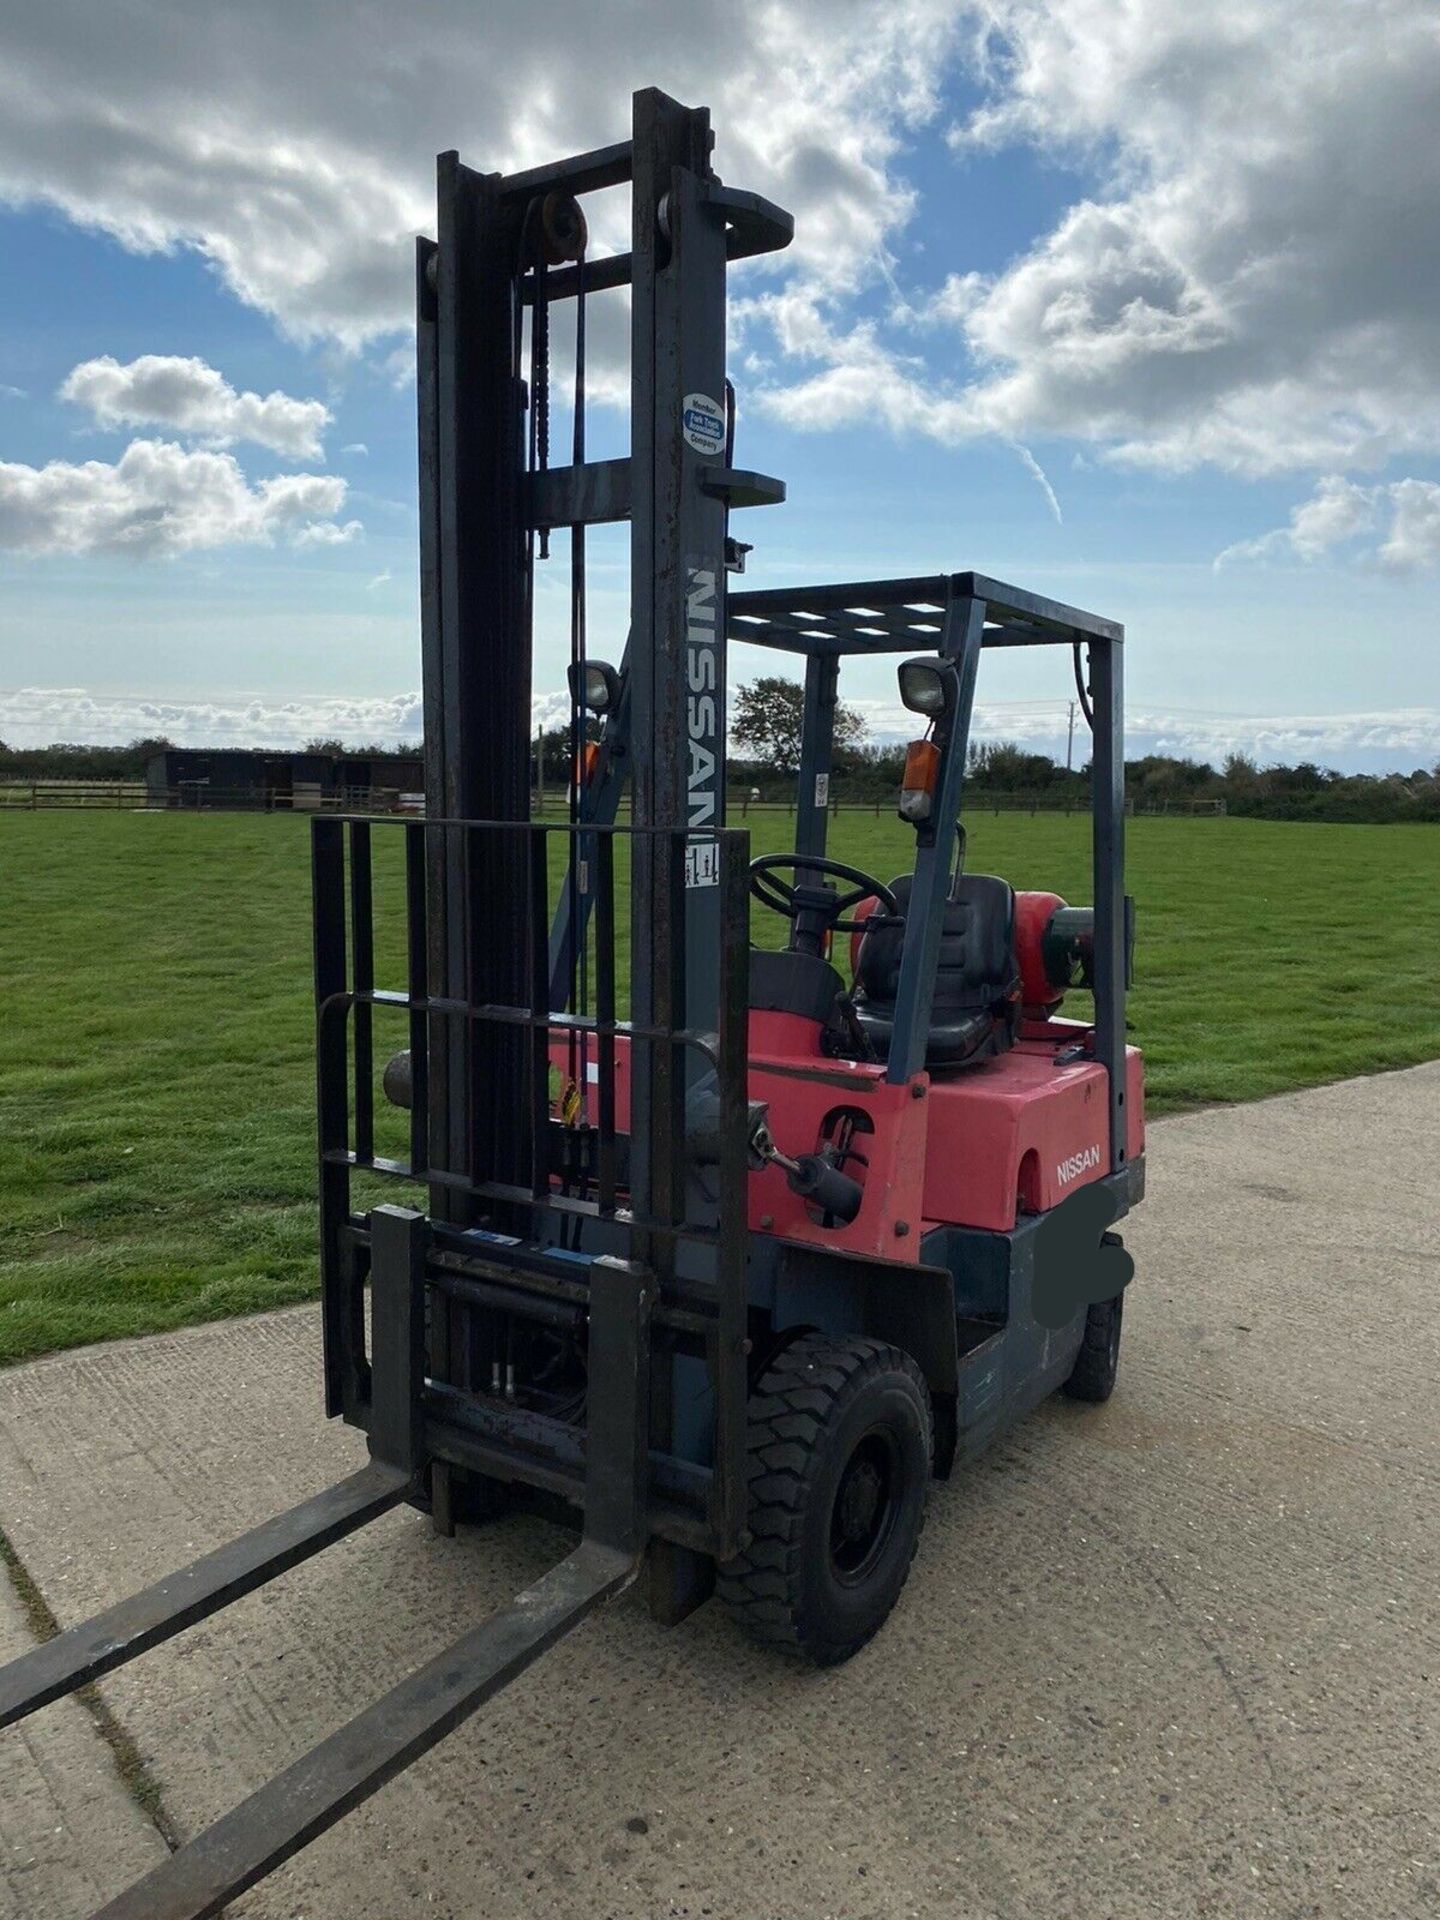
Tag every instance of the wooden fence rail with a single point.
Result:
(133, 796)
(32, 796)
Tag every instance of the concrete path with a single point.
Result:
(1174, 1656)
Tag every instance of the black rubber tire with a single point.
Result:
(839, 1467)
(1098, 1361)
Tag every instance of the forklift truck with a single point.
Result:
(720, 1255)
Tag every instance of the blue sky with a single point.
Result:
(1055, 247)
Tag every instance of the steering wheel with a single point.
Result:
(782, 896)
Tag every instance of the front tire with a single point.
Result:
(839, 1466)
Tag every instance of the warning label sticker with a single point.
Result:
(702, 864)
(703, 423)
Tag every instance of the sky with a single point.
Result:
(1131, 302)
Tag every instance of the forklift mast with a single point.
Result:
(511, 251)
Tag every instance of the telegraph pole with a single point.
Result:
(1070, 739)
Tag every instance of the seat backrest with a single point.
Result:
(977, 962)
(799, 983)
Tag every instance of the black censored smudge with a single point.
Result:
(1078, 1263)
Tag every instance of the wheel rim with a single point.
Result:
(866, 1503)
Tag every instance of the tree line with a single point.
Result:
(1155, 783)
(72, 761)
(765, 758)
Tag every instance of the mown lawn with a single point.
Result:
(156, 1085)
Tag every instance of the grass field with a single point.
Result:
(156, 1084)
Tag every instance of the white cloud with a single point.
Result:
(159, 500)
(398, 366)
(1337, 511)
(549, 710)
(1393, 740)
(187, 396)
(1256, 286)
(1414, 538)
(327, 533)
(862, 378)
(1251, 280)
(355, 447)
(1340, 513)
(295, 152)
(1038, 474)
(37, 716)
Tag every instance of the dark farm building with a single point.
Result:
(304, 782)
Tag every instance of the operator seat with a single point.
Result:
(976, 1009)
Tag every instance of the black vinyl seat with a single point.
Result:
(976, 1008)
(802, 983)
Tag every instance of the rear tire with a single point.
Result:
(1098, 1361)
(839, 1466)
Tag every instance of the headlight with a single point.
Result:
(594, 685)
(927, 686)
